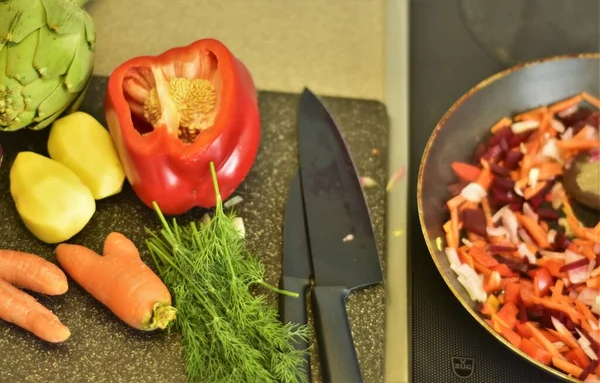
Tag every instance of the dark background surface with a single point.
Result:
(451, 51)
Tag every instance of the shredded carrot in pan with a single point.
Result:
(516, 244)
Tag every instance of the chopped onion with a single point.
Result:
(496, 231)
(595, 272)
(585, 345)
(550, 150)
(523, 148)
(557, 125)
(568, 134)
(597, 249)
(466, 242)
(452, 256)
(579, 274)
(552, 254)
(529, 211)
(534, 174)
(525, 237)
(523, 126)
(518, 191)
(568, 111)
(498, 215)
(593, 325)
(588, 296)
(473, 192)
(558, 326)
(509, 221)
(524, 252)
(471, 282)
(551, 236)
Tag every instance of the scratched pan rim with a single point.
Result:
(432, 248)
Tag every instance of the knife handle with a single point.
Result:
(339, 362)
(294, 310)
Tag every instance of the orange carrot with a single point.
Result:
(531, 191)
(121, 281)
(503, 122)
(26, 312)
(32, 272)
(591, 99)
(565, 104)
(565, 366)
(549, 170)
(573, 144)
(466, 172)
(536, 232)
(532, 114)
(485, 178)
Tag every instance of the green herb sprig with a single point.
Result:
(230, 333)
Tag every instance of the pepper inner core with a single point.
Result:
(184, 97)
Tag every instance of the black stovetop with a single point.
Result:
(445, 62)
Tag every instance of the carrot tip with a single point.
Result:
(162, 315)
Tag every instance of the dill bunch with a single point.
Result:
(230, 332)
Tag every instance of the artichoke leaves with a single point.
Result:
(46, 60)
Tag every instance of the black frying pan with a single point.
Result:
(468, 122)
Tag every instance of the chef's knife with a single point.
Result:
(297, 268)
(342, 243)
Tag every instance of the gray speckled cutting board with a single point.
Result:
(103, 349)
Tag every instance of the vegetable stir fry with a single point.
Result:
(516, 244)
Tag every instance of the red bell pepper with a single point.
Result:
(171, 115)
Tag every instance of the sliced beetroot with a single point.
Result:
(536, 201)
(540, 196)
(518, 138)
(502, 183)
(535, 312)
(547, 214)
(479, 152)
(522, 311)
(493, 154)
(474, 221)
(573, 265)
(589, 369)
(505, 197)
(511, 161)
(580, 115)
(560, 241)
(513, 264)
(500, 248)
(504, 145)
(516, 206)
(504, 133)
(498, 170)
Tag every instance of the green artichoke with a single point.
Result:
(46, 60)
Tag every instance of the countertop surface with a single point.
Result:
(335, 47)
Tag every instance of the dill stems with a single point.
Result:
(230, 332)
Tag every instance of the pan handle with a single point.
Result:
(338, 356)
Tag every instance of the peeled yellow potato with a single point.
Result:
(81, 143)
(52, 201)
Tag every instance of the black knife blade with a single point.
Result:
(297, 268)
(335, 210)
